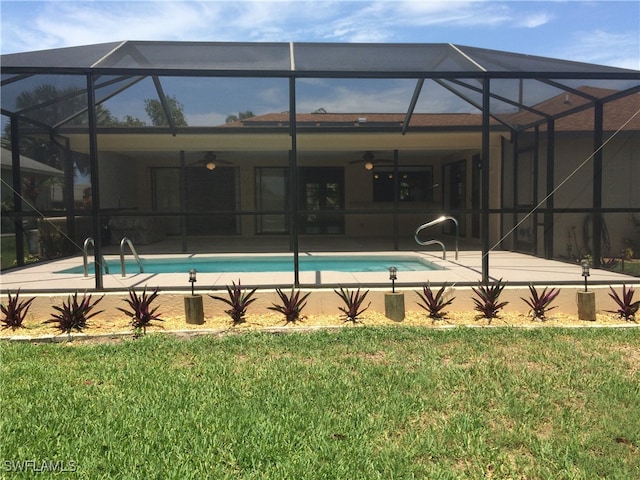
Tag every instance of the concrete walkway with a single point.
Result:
(514, 268)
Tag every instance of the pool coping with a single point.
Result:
(513, 268)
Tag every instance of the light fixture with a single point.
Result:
(585, 272)
(393, 276)
(209, 160)
(368, 160)
(192, 279)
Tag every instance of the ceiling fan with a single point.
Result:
(210, 161)
(369, 160)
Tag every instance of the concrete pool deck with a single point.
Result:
(514, 268)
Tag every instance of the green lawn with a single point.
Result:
(363, 403)
(7, 251)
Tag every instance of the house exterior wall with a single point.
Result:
(621, 189)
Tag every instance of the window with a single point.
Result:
(415, 184)
(321, 191)
(271, 195)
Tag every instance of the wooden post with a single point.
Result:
(587, 306)
(394, 306)
(193, 309)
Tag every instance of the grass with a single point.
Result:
(362, 403)
(631, 267)
(7, 251)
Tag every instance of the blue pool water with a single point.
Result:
(270, 264)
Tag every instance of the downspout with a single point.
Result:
(183, 201)
(597, 184)
(534, 193)
(95, 184)
(550, 174)
(69, 180)
(515, 152)
(396, 199)
(485, 179)
(17, 189)
(293, 181)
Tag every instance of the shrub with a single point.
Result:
(487, 299)
(290, 306)
(540, 303)
(434, 304)
(239, 300)
(140, 311)
(74, 314)
(627, 308)
(352, 303)
(15, 311)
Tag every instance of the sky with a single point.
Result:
(600, 32)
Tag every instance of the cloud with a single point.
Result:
(451, 13)
(535, 20)
(620, 49)
(491, 24)
(61, 24)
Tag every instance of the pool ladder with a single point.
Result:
(123, 242)
(437, 242)
(85, 250)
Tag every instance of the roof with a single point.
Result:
(310, 58)
(28, 165)
(409, 85)
(363, 119)
(618, 113)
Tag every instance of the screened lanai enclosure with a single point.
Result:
(186, 147)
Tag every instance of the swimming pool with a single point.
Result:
(271, 263)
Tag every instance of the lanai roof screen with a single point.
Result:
(405, 79)
(302, 57)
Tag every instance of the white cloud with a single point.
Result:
(621, 49)
(206, 119)
(535, 20)
(452, 13)
(488, 24)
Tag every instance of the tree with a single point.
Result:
(241, 116)
(157, 115)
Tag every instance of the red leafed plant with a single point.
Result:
(291, 305)
(74, 313)
(627, 308)
(487, 299)
(434, 303)
(141, 312)
(540, 302)
(15, 311)
(352, 303)
(239, 300)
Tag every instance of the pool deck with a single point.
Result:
(514, 268)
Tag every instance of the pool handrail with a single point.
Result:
(438, 220)
(123, 242)
(85, 255)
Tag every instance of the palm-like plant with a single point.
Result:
(239, 300)
(15, 311)
(487, 297)
(627, 308)
(74, 313)
(353, 301)
(291, 305)
(434, 303)
(140, 311)
(540, 302)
